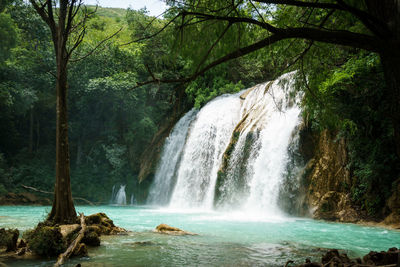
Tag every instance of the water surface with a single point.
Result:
(225, 239)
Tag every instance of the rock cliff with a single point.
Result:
(328, 181)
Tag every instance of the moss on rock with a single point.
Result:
(9, 239)
(46, 240)
(91, 238)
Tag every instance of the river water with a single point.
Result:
(225, 239)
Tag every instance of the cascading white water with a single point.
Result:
(113, 194)
(269, 165)
(202, 155)
(120, 197)
(257, 124)
(160, 191)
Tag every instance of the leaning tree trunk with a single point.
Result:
(390, 57)
(63, 210)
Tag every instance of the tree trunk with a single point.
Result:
(390, 57)
(63, 210)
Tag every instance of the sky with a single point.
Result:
(155, 7)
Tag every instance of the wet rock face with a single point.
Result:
(329, 180)
(393, 205)
(336, 206)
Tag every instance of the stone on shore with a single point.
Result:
(102, 225)
(9, 239)
(392, 256)
(335, 259)
(166, 229)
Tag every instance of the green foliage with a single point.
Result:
(116, 13)
(45, 240)
(352, 100)
(3, 190)
(8, 36)
(200, 91)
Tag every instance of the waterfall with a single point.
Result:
(202, 155)
(133, 200)
(113, 194)
(160, 191)
(233, 153)
(270, 163)
(120, 197)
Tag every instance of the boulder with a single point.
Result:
(9, 239)
(95, 218)
(333, 257)
(336, 206)
(392, 256)
(21, 243)
(166, 229)
(91, 239)
(21, 251)
(393, 220)
(102, 225)
(118, 231)
(393, 204)
(46, 240)
(95, 228)
(81, 250)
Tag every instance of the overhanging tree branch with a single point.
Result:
(230, 19)
(374, 24)
(345, 38)
(97, 46)
(152, 35)
(302, 4)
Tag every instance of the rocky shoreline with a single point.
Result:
(333, 258)
(93, 226)
(49, 241)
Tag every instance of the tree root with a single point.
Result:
(72, 247)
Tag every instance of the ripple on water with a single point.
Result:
(224, 239)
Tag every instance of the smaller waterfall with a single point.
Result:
(120, 197)
(113, 194)
(133, 199)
